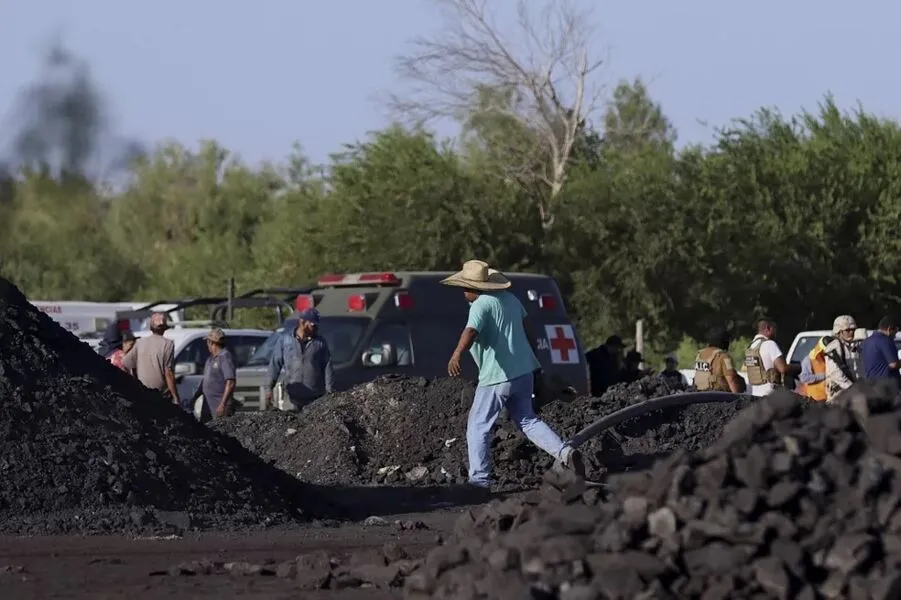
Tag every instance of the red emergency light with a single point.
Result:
(403, 300)
(303, 302)
(356, 303)
(331, 279)
(334, 279)
(547, 302)
(379, 278)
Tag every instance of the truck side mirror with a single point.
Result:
(185, 368)
(385, 356)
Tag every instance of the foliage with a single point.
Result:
(792, 217)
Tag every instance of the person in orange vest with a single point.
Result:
(813, 372)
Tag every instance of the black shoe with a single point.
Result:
(476, 494)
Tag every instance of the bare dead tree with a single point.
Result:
(547, 63)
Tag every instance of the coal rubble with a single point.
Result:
(315, 571)
(792, 501)
(84, 448)
(411, 431)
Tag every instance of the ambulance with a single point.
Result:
(408, 323)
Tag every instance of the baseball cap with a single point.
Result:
(311, 315)
(159, 319)
(217, 336)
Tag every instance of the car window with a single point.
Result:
(396, 334)
(803, 348)
(195, 352)
(243, 347)
(342, 335)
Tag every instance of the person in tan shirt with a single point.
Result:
(714, 368)
(153, 359)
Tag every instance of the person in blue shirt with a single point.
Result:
(496, 335)
(879, 354)
(301, 360)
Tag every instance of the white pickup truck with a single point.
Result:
(806, 340)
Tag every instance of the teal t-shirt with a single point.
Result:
(502, 351)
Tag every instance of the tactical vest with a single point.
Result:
(709, 374)
(757, 375)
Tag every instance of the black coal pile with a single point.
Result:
(85, 448)
(411, 431)
(793, 501)
(637, 442)
(391, 430)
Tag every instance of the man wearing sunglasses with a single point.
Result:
(842, 357)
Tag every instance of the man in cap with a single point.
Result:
(218, 383)
(842, 357)
(152, 359)
(302, 362)
(497, 337)
(604, 364)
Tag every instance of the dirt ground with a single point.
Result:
(120, 567)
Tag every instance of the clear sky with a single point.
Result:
(258, 76)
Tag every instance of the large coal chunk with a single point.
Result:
(793, 500)
(86, 448)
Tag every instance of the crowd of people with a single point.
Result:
(849, 355)
(151, 360)
(834, 364)
(301, 362)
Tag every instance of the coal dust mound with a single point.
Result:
(792, 501)
(637, 442)
(84, 448)
(410, 431)
(393, 430)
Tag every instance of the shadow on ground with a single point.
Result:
(358, 502)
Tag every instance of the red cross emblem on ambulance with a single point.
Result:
(562, 344)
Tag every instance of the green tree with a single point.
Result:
(633, 120)
(188, 220)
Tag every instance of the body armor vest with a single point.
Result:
(757, 374)
(709, 374)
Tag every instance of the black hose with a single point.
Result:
(675, 400)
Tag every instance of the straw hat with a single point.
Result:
(476, 275)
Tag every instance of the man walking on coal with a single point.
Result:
(497, 336)
(152, 358)
(302, 362)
